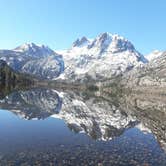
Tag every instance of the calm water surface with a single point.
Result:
(47, 127)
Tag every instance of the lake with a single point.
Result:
(43, 126)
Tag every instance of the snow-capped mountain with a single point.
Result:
(30, 58)
(47, 67)
(103, 57)
(153, 55)
(153, 74)
(34, 50)
(81, 42)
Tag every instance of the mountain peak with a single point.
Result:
(81, 42)
(107, 35)
(104, 42)
(113, 43)
(27, 46)
(32, 49)
(153, 55)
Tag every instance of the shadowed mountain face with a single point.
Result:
(100, 117)
(10, 78)
(39, 61)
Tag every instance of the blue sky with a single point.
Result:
(57, 23)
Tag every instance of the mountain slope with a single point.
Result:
(47, 68)
(101, 58)
(40, 61)
(153, 55)
(150, 75)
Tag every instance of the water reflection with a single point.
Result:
(95, 116)
(128, 125)
(98, 116)
(150, 110)
(33, 104)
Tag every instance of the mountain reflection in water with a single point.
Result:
(33, 104)
(102, 118)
